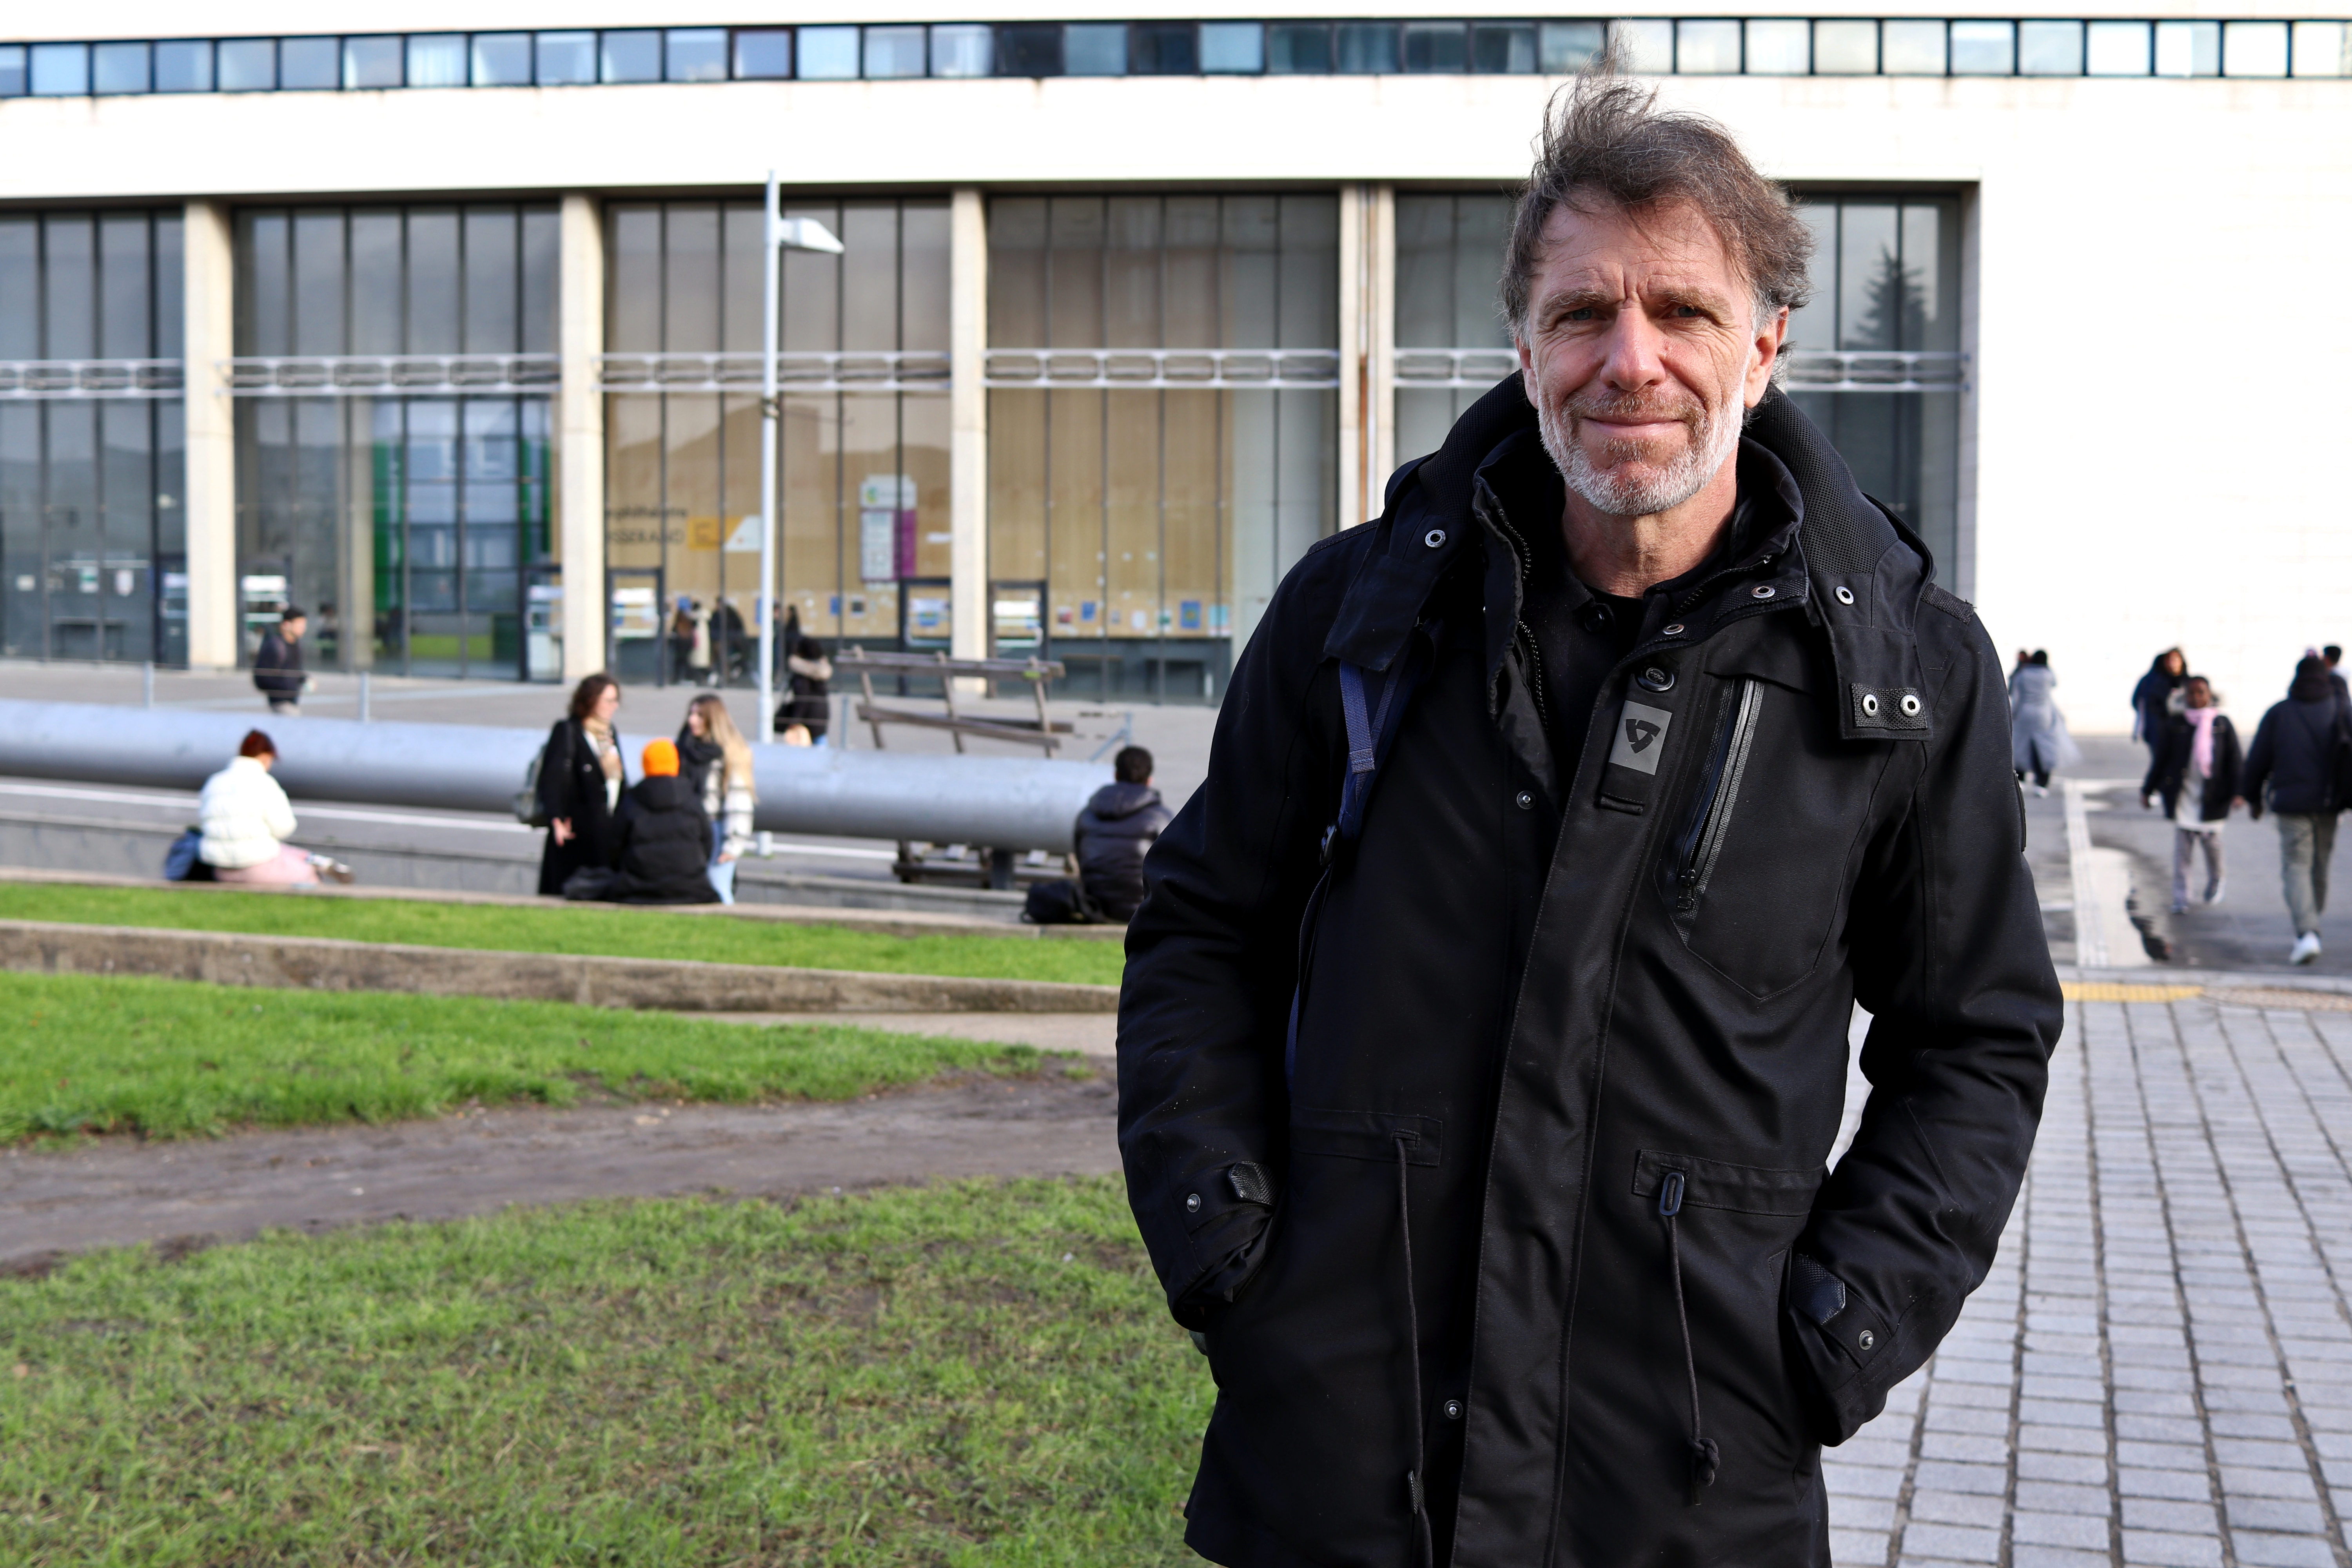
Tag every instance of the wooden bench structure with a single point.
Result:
(1042, 731)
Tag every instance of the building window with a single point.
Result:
(763, 54)
(1883, 328)
(962, 50)
(93, 561)
(183, 64)
(1094, 48)
(1449, 257)
(695, 54)
(1144, 525)
(119, 69)
(862, 474)
(566, 59)
(413, 528)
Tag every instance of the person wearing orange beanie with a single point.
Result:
(664, 836)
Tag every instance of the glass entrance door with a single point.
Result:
(640, 652)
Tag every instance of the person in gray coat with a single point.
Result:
(2037, 732)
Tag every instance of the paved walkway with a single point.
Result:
(2158, 1369)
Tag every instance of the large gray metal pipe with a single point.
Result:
(1005, 803)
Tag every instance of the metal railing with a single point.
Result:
(1875, 369)
(22, 378)
(379, 376)
(909, 369)
(1454, 367)
(1205, 368)
(1808, 369)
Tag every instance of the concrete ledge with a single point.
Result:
(321, 964)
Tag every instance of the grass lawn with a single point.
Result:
(169, 1057)
(951, 1375)
(628, 934)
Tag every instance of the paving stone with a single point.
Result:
(2263, 1551)
(1958, 1507)
(2164, 1514)
(2275, 1513)
(2085, 1531)
(1958, 1543)
(2161, 1550)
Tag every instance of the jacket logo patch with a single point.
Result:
(1640, 737)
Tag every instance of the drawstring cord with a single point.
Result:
(1424, 1552)
(1705, 1458)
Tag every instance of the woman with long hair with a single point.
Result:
(580, 778)
(716, 761)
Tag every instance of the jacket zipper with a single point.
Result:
(1703, 842)
(1520, 632)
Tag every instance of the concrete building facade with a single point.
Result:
(451, 332)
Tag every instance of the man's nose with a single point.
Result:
(1634, 346)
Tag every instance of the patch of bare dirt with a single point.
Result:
(186, 1194)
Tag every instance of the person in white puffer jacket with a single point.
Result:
(245, 818)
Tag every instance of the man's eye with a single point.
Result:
(1581, 314)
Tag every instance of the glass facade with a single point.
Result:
(1449, 264)
(1885, 323)
(1764, 45)
(862, 475)
(1136, 532)
(92, 555)
(414, 528)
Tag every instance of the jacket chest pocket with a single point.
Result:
(1754, 875)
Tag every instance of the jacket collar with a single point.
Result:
(1857, 570)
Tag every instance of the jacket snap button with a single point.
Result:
(1433, 538)
(1865, 1339)
(1910, 705)
(1675, 630)
(1870, 703)
(1761, 591)
(1191, 1202)
(1454, 1410)
(1656, 679)
(1844, 595)
(1527, 801)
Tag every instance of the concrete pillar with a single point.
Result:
(1380, 370)
(968, 422)
(579, 435)
(1354, 361)
(208, 303)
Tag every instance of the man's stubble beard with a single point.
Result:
(1715, 436)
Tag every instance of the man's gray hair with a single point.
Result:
(1606, 143)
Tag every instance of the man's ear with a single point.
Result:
(1526, 367)
(1768, 344)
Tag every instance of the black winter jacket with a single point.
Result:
(2287, 767)
(1536, 1006)
(572, 789)
(661, 844)
(278, 666)
(1115, 831)
(2170, 766)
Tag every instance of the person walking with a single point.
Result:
(2196, 770)
(2295, 768)
(2037, 731)
(278, 666)
(810, 674)
(2334, 655)
(245, 819)
(580, 782)
(2158, 697)
(661, 840)
(716, 762)
(1482, 1045)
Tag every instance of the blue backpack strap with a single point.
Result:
(1371, 727)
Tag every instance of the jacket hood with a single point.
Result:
(664, 792)
(1862, 571)
(1114, 801)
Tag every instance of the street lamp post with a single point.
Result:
(777, 236)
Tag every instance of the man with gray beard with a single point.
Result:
(1484, 1036)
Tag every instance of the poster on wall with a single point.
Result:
(885, 527)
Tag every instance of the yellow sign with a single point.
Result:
(702, 533)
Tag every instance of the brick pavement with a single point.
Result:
(2158, 1369)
